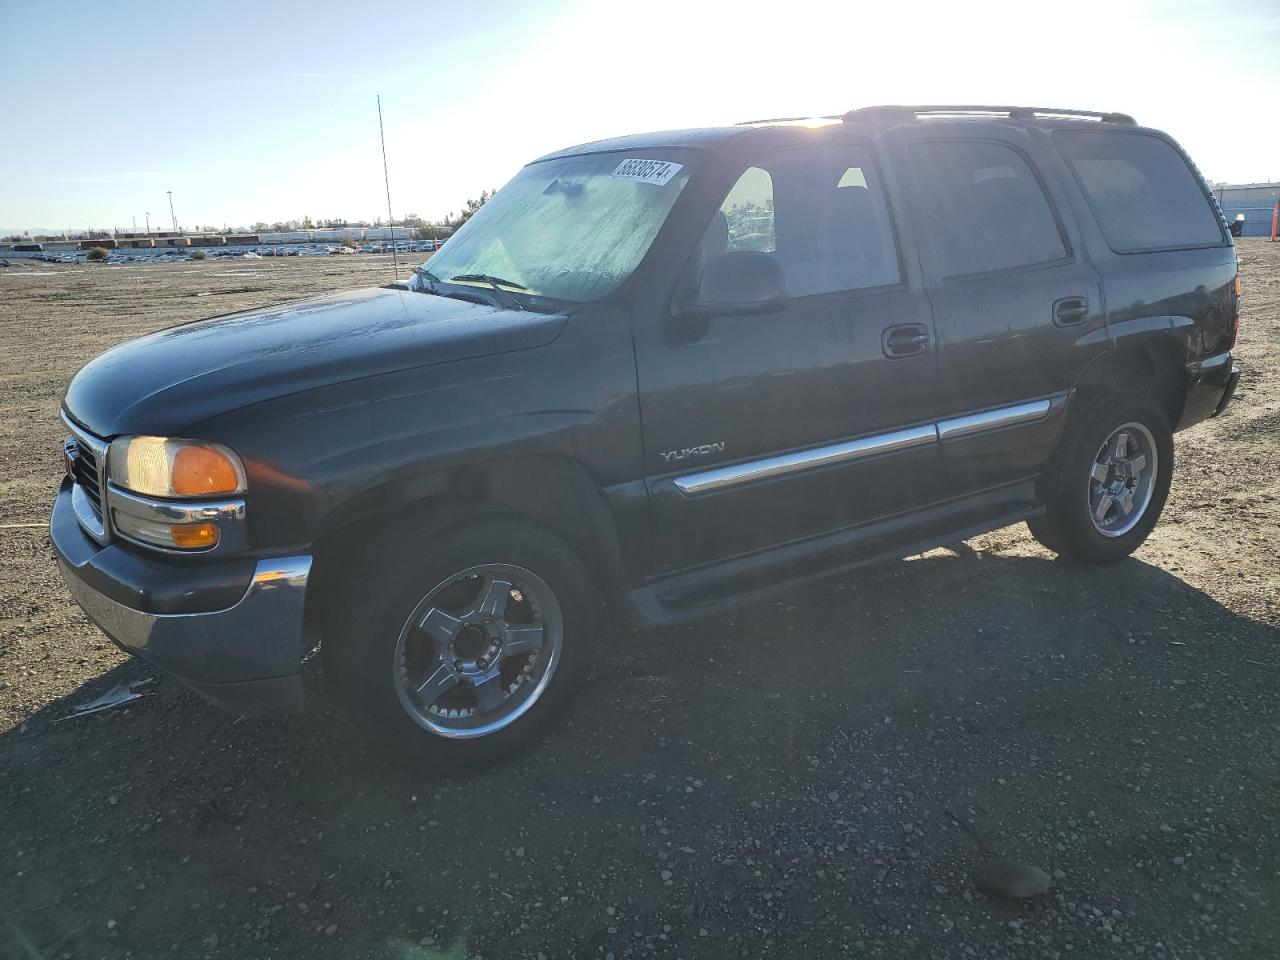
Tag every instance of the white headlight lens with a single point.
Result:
(157, 467)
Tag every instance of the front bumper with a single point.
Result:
(243, 654)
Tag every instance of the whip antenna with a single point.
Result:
(391, 220)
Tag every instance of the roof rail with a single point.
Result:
(751, 123)
(889, 113)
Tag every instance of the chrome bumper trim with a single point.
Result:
(258, 637)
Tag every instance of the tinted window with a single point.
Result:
(985, 206)
(820, 211)
(1142, 192)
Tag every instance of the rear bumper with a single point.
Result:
(1211, 383)
(243, 655)
(1231, 390)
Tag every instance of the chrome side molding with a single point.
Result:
(709, 480)
(953, 428)
(957, 427)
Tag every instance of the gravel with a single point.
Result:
(816, 776)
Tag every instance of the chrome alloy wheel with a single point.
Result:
(479, 650)
(1122, 479)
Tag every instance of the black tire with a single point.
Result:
(1066, 527)
(389, 581)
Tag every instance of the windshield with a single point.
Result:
(569, 229)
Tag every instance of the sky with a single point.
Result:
(266, 111)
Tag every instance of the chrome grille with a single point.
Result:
(86, 465)
(84, 471)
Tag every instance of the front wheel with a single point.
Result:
(455, 650)
(1106, 485)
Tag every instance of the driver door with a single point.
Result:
(763, 430)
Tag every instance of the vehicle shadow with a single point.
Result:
(882, 728)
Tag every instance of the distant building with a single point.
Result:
(1255, 200)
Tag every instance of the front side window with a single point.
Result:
(986, 209)
(571, 228)
(748, 213)
(1142, 192)
(820, 210)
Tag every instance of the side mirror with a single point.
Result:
(737, 284)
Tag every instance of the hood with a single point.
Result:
(165, 382)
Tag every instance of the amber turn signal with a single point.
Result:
(194, 536)
(199, 471)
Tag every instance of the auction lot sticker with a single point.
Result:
(646, 171)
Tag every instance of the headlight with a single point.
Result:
(156, 467)
(151, 477)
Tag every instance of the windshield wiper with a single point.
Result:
(485, 278)
(429, 280)
(494, 282)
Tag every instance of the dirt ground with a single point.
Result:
(788, 782)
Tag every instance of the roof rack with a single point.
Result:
(751, 123)
(899, 113)
(804, 119)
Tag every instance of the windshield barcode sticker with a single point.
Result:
(646, 171)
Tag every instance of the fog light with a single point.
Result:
(194, 536)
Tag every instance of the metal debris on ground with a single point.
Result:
(118, 695)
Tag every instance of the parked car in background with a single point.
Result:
(668, 373)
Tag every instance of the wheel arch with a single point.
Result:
(555, 493)
(1153, 364)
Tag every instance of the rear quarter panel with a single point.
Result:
(1182, 298)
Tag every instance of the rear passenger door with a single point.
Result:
(1017, 305)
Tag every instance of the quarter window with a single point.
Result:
(1142, 192)
(820, 211)
(986, 209)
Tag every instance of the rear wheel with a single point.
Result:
(455, 650)
(1107, 484)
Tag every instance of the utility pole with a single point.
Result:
(148, 216)
(135, 223)
(171, 216)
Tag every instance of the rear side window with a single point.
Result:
(986, 209)
(1143, 194)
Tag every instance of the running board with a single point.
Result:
(697, 593)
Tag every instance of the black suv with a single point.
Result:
(666, 372)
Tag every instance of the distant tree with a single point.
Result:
(97, 254)
(471, 207)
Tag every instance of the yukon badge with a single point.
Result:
(685, 453)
